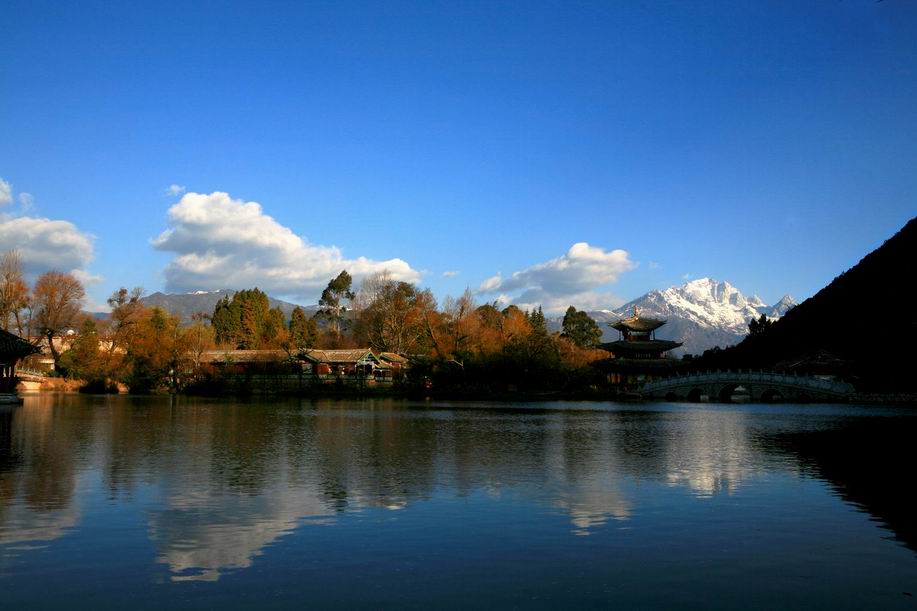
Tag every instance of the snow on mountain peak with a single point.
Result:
(707, 289)
(704, 312)
(782, 307)
(701, 314)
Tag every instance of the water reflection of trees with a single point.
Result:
(230, 479)
(40, 450)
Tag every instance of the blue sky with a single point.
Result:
(770, 144)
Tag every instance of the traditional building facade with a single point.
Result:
(278, 369)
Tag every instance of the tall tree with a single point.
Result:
(540, 344)
(333, 302)
(274, 328)
(253, 309)
(84, 360)
(579, 328)
(227, 322)
(159, 356)
(303, 330)
(391, 314)
(126, 312)
(756, 326)
(538, 322)
(200, 337)
(14, 292)
(241, 322)
(461, 324)
(58, 298)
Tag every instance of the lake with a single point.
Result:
(180, 503)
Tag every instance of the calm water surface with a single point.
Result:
(152, 503)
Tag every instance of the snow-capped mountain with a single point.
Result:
(708, 303)
(701, 314)
(781, 307)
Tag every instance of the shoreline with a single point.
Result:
(878, 399)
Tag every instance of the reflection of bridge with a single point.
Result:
(754, 385)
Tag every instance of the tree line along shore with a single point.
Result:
(457, 346)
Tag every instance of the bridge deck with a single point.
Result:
(760, 380)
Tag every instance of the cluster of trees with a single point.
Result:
(141, 347)
(247, 322)
(757, 326)
(459, 342)
(44, 310)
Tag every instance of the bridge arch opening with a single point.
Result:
(671, 396)
(726, 393)
(696, 395)
(772, 395)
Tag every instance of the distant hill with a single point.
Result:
(701, 314)
(879, 343)
(185, 305)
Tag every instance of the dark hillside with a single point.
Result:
(866, 318)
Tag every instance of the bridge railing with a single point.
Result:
(23, 371)
(750, 376)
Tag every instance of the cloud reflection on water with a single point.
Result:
(218, 484)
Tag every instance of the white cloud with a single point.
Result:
(26, 201)
(87, 277)
(491, 284)
(569, 279)
(450, 274)
(220, 242)
(6, 193)
(174, 189)
(557, 304)
(46, 244)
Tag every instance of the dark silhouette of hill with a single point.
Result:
(866, 318)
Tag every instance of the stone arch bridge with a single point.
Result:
(757, 386)
(29, 379)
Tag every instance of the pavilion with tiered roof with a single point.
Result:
(638, 338)
(638, 356)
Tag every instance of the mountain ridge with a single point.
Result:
(879, 357)
(186, 305)
(701, 313)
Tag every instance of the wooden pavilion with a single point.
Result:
(12, 350)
